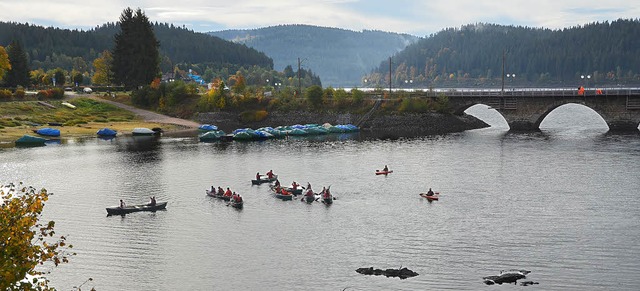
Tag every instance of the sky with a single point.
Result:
(416, 17)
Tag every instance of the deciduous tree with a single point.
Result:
(26, 242)
(102, 67)
(5, 65)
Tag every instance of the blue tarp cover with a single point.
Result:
(107, 132)
(48, 131)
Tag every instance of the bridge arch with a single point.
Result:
(565, 103)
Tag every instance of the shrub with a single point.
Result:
(20, 93)
(5, 94)
(253, 115)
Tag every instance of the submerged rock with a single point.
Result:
(401, 273)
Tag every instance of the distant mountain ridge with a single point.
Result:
(473, 55)
(50, 47)
(340, 57)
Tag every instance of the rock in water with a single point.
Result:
(401, 273)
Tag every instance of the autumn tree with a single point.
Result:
(18, 75)
(5, 65)
(26, 242)
(102, 67)
(136, 59)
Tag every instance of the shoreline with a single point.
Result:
(396, 125)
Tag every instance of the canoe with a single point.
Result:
(383, 172)
(308, 198)
(144, 131)
(69, 105)
(48, 131)
(264, 179)
(430, 197)
(284, 197)
(135, 208)
(107, 132)
(29, 140)
(236, 204)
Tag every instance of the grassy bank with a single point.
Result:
(22, 117)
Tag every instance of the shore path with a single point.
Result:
(147, 115)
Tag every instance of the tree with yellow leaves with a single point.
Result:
(5, 65)
(28, 245)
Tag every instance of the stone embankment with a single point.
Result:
(380, 125)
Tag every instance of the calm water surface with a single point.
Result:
(562, 203)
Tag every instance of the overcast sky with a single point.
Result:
(417, 17)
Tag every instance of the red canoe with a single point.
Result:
(383, 172)
(432, 197)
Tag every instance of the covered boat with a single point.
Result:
(144, 131)
(207, 127)
(212, 135)
(29, 140)
(135, 208)
(48, 131)
(107, 132)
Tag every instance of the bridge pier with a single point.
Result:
(623, 125)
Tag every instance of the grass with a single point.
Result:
(20, 117)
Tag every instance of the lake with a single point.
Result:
(562, 203)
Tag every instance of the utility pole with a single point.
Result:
(299, 83)
(502, 72)
(389, 77)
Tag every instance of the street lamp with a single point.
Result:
(511, 77)
(406, 82)
(277, 84)
(587, 77)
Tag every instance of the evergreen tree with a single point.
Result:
(136, 60)
(18, 75)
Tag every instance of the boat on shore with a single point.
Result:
(117, 210)
(30, 141)
(106, 132)
(47, 131)
(143, 131)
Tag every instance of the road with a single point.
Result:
(147, 115)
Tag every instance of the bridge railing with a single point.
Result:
(515, 92)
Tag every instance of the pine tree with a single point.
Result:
(136, 60)
(18, 75)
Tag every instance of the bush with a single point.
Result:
(20, 93)
(5, 94)
(253, 115)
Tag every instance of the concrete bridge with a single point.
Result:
(525, 109)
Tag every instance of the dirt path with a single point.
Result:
(147, 115)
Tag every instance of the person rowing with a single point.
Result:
(385, 169)
(430, 192)
(270, 174)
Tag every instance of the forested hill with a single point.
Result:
(340, 57)
(472, 55)
(49, 48)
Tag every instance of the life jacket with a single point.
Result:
(228, 193)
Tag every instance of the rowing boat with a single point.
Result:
(135, 208)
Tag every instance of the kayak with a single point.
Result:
(430, 197)
(383, 172)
